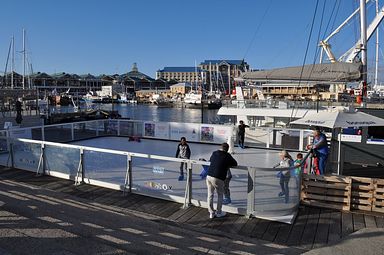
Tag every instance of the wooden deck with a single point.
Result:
(313, 228)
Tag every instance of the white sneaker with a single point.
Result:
(212, 215)
(221, 214)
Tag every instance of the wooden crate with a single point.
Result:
(327, 191)
(362, 193)
(378, 196)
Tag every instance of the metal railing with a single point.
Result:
(254, 190)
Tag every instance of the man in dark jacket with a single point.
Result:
(221, 161)
(183, 151)
(241, 133)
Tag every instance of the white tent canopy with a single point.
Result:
(340, 118)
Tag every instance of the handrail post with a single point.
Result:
(72, 132)
(251, 191)
(301, 140)
(42, 162)
(12, 156)
(118, 127)
(189, 176)
(128, 175)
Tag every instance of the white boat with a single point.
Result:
(258, 113)
(192, 98)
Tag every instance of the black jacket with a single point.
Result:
(241, 128)
(188, 151)
(221, 161)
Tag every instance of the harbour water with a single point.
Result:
(154, 113)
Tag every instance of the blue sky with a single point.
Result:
(94, 36)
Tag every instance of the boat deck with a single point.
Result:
(313, 228)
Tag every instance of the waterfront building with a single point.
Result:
(12, 80)
(194, 75)
(215, 75)
(180, 89)
(221, 74)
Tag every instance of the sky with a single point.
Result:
(107, 37)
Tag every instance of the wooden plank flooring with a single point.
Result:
(313, 227)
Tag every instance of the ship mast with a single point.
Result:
(363, 38)
(377, 49)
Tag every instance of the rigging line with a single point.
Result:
(318, 39)
(306, 50)
(257, 30)
(330, 18)
(316, 52)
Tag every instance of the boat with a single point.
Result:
(161, 101)
(265, 113)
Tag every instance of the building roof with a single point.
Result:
(178, 69)
(327, 72)
(222, 61)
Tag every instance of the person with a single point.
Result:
(183, 151)
(221, 161)
(241, 133)
(320, 149)
(286, 161)
(19, 109)
(297, 171)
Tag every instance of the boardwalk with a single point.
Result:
(313, 227)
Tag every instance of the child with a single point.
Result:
(183, 151)
(286, 161)
(298, 170)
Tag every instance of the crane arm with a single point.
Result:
(351, 54)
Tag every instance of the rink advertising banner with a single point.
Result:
(189, 130)
(156, 130)
(149, 129)
(222, 133)
(215, 133)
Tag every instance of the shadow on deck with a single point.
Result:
(313, 228)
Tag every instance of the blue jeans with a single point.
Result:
(322, 162)
(284, 181)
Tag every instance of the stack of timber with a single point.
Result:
(326, 191)
(378, 196)
(343, 192)
(362, 193)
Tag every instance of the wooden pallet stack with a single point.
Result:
(378, 196)
(362, 193)
(343, 192)
(327, 191)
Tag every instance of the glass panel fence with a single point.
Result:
(158, 178)
(256, 137)
(276, 194)
(105, 167)
(5, 156)
(63, 160)
(84, 130)
(238, 187)
(290, 139)
(58, 133)
(36, 133)
(130, 128)
(26, 155)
